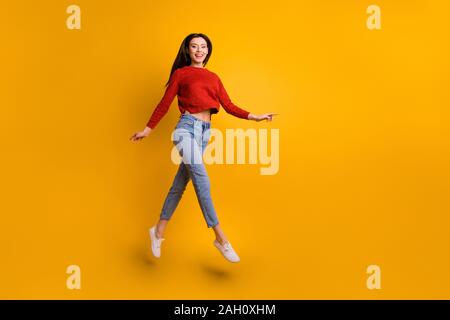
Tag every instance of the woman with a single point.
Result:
(199, 93)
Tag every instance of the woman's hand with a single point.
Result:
(140, 135)
(260, 117)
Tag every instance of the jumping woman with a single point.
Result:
(199, 93)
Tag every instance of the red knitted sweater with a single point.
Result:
(197, 89)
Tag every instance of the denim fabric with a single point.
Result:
(191, 137)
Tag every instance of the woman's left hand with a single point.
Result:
(260, 117)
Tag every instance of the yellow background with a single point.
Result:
(364, 150)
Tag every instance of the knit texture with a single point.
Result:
(197, 89)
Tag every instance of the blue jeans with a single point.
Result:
(191, 137)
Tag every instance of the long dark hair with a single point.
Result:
(183, 59)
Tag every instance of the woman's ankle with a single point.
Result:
(222, 241)
(158, 233)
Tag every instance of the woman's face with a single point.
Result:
(198, 49)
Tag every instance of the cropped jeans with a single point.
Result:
(190, 137)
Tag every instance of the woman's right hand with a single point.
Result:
(140, 135)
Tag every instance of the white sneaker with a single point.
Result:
(156, 243)
(227, 251)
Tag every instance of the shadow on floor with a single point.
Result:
(143, 256)
(216, 273)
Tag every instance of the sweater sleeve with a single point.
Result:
(163, 106)
(229, 107)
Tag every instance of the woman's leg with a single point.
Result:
(160, 227)
(191, 167)
(220, 235)
(191, 149)
(188, 170)
(200, 180)
(172, 199)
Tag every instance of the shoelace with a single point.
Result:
(227, 246)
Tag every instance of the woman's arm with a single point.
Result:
(229, 106)
(260, 117)
(163, 106)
